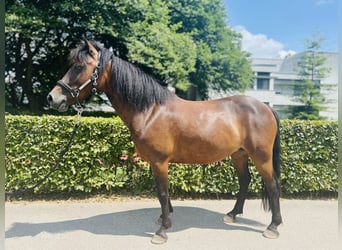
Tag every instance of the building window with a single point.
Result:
(263, 84)
(263, 80)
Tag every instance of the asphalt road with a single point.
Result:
(308, 224)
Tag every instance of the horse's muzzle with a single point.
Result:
(57, 101)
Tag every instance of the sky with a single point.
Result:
(275, 28)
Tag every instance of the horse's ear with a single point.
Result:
(90, 47)
(86, 42)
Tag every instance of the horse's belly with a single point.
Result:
(202, 152)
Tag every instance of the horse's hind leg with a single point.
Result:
(240, 163)
(271, 195)
(272, 192)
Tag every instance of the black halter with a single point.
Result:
(75, 92)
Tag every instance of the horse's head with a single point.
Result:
(80, 80)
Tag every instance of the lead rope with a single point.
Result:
(60, 158)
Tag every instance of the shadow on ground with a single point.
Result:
(140, 222)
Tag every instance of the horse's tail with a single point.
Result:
(276, 164)
(276, 149)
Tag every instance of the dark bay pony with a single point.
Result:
(166, 128)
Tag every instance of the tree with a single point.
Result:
(220, 62)
(177, 51)
(38, 37)
(169, 54)
(311, 71)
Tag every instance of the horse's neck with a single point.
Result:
(126, 112)
(133, 118)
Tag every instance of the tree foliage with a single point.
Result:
(220, 63)
(154, 42)
(180, 42)
(311, 70)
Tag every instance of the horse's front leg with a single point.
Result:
(160, 172)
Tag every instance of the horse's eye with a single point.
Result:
(78, 66)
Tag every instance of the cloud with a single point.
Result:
(262, 46)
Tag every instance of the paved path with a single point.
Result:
(196, 225)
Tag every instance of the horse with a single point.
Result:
(166, 128)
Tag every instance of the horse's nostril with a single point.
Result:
(49, 98)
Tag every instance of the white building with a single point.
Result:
(275, 82)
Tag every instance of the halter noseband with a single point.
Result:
(93, 79)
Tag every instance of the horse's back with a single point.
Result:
(231, 109)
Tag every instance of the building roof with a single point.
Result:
(287, 68)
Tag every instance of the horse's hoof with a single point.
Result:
(229, 219)
(158, 240)
(270, 234)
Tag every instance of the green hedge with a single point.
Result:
(102, 159)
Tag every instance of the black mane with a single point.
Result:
(134, 86)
